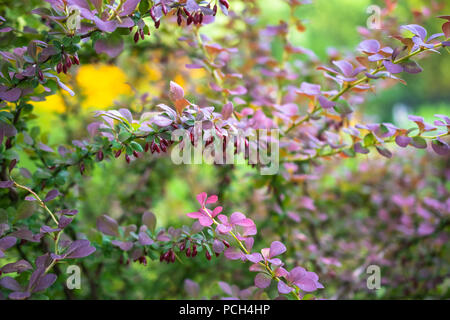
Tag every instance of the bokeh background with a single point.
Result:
(167, 190)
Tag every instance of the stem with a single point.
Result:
(351, 85)
(41, 203)
(212, 69)
(266, 266)
(116, 11)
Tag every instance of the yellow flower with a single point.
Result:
(101, 85)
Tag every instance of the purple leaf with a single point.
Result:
(52, 194)
(384, 152)
(7, 242)
(64, 222)
(226, 288)
(360, 149)
(125, 246)
(262, 280)
(108, 225)
(276, 248)
(284, 288)
(419, 142)
(30, 198)
(192, 288)
(44, 282)
(345, 67)
(412, 67)
(81, 252)
(162, 121)
(128, 7)
(254, 257)
(10, 95)
(218, 246)
(440, 147)
(416, 29)
(6, 184)
(227, 110)
(19, 266)
(19, 295)
(44, 147)
(392, 67)
(370, 46)
(149, 219)
(402, 141)
(144, 239)
(10, 283)
(233, 254)
(176, 91)
(325, 103)
(109, 46)
(106, 26)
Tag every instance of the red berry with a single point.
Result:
(100, 155)
(152, 14)
(225, 3)
(75, 60)
(164, 8)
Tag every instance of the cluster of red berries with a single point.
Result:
(224, 143)
(139, 34)
(67, 61)
(142, 260)
(168, 256)
(158, 148)
(153, 147)
(152, 15)
(195, 17)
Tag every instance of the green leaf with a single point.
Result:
(144, 6)
(124, 135)
(369, 139)
(343, 108)
(419, 142)
(136, 146)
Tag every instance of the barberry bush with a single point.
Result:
(102, 192)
